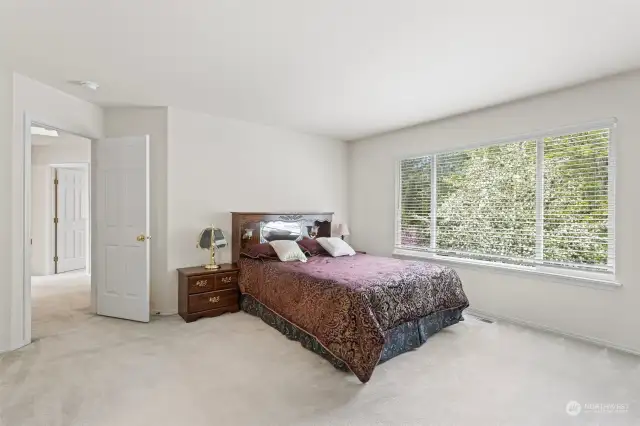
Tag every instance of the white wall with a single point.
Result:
(6, 141)
(40, 210)
(606, 315)
(119, 122)
(46, 151)
(219, 165)
(45, 105)
(64, 149)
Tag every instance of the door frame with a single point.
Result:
(86, 168)
(26, 223)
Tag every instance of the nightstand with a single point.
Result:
(208, 292)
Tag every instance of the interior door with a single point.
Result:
(120, 263)
(71, 216)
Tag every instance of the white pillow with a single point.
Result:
(288, 251)
(336, 246)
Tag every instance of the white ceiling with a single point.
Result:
(341, 68)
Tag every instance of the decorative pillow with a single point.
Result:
(311, 246)
(260, 251)
(336, 246)
(288, 251)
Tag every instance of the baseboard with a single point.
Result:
(22, 345)
(536, 326)
(164, 314)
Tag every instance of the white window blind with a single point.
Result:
(543, 201)
(487, 202)
(578, 226)
(415, 220)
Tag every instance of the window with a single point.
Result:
(416, 202)
(543, 201)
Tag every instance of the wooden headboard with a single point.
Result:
(260, 226)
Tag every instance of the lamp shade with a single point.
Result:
(343, 229)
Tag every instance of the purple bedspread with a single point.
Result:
(347, 303)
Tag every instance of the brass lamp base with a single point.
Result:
(212, 263)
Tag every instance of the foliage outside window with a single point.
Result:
(539, 201)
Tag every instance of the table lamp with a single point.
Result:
(343, 230)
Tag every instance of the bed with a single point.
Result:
(355, 311)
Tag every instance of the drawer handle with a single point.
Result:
(226, 280)
(201, 283)
(214, 299)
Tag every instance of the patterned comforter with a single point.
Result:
(347, 303)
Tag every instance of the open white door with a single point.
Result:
(121, 229)
(71, 217)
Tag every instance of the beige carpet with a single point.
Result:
(236, 370)
(60, 303)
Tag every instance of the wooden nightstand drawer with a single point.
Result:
(213, 300)
(211, 313)
(201, 284)
(226, 281)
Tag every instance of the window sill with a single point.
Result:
(586, 279)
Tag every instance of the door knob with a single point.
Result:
(142, 237)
